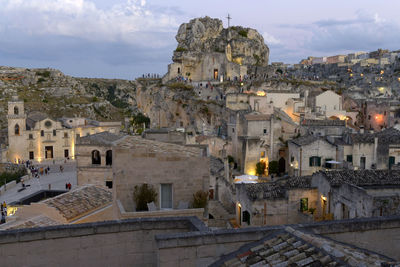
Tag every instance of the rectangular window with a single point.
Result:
(77, 136)
(65, 135)
(31, 155)
(315, 161)
(328, 165)
(109, 184)
(166, 196)
(54, 132)
(41, 133)
(303, 204)
(30, 136)
(265, 131)
(349, 158)
(233, 130)
(66, 153)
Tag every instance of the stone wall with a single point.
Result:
(133, 167)
(115, 243)
(202, 249)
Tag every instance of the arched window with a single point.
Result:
(96, 159)
(109, 157)
(41, 133)
(16, 110)
(16, 129)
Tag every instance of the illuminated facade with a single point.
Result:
(37, 137)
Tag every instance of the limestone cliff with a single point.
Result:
(206, 35)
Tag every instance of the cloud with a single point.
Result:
(270, 39)
(364, 32)
(126, 22)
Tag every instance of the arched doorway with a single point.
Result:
(282, 165)
(96, 159)
(109, 157)
(16, 129)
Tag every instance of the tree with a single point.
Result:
(260, 168)
(273, 167)
(142, 195)
(200, 199)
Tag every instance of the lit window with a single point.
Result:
(304, 204)
(263, 154)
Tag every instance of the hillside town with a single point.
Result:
(226, 160)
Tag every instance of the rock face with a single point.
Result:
(206, 35)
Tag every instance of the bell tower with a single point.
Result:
(16, 126)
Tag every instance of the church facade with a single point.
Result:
(37, 137)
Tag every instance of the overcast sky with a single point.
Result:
(125, 38)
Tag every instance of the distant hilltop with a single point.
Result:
(208, 51)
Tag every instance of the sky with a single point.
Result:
(126, 38)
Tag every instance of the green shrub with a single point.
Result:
(273, 167)
(180, 49)
(243, 33)
(200, 199)
(231, 159)
(41, 80)
(7, 177)
(260, 168)
(142, 195)
(139, 119)
(95, 99)
(45, 73)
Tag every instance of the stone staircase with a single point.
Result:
(220, 216)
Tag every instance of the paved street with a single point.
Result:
(56, 179)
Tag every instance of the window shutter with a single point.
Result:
(318, 161)
(311, 161)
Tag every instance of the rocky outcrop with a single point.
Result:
(206, 35)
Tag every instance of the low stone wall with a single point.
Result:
(202, 249)
(113, 243)
(7, 186)
(380, 234)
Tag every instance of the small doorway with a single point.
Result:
(109, 184)
(362, 163)
(391, 162)
(282, 165)
(48, 151)
(66, 153)
(215, 74)
(31, 155)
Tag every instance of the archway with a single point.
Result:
(96, 159)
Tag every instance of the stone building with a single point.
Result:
(323, 127)
(357, 194)
(373, 150)
(94, 158)
(275, 203)
(176, 172)
(309, 154)
(37, 137)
